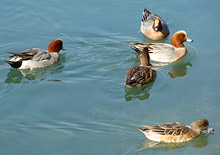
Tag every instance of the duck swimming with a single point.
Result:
(164, 52)
(143, 74)
(176, 131)
(153, 26)
(36, 57)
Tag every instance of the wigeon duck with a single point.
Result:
(153, 26)
(175, 132)
(163, 52)
(143, 74)
(36, 57)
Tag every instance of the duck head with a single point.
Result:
(200, 125)
(55, 46)
(178, 38)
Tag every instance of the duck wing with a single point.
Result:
(149, 15)
(24, 55)
(31, 54)
(135, 75)
(174, 129)
(42, 55)
(139, 75)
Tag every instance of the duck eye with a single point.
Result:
(205, 124)
(183, 36)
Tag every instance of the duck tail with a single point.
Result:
(14, 64)
(139, 52)
(14, 54)
(142, 130)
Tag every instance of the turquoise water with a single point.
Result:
(80, 105)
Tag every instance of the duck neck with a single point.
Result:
(195, 129)
(176, 42)
(145, 59)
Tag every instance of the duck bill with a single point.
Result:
(210, 129)
(189, 40)
(63, 49)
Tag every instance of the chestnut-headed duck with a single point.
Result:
(36, 57)
(143, 74)
(153, 26)
(176, 131)
(164, 52)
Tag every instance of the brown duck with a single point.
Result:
(143, 74)
(175, 132)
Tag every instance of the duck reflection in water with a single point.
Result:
(25, 75)
(17, 76)
(179, 70)
(140, 93)
(22, 76)
(199, 142)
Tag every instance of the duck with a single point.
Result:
(153, 26)
(36, 57)
(141, 75)
(164, 52)
(175, 132)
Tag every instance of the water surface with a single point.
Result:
(80, 105)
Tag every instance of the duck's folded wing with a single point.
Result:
(41, 55)
(24, 55)
(134, 75)
(174, 129)
(146, 15)
(138, 75)
(149, 15)
(31, 54)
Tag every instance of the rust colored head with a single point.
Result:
(178, 38)
(55, 46)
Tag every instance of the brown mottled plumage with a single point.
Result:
(175, 132)
(143, 74)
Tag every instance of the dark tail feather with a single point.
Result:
(139, 52)
(14, 53)
(140, 129)
(14, 64)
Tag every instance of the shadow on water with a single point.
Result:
(140, 93)
(199, 142)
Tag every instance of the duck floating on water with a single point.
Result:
(36, 57)
(153, 26)
(143, 74)
(176, 131)
(164, 52)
